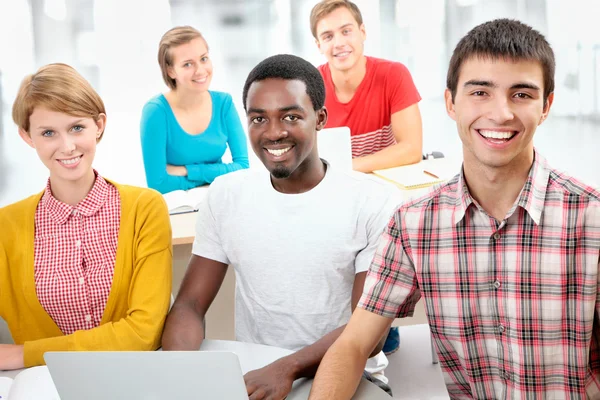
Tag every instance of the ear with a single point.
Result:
(318, 43)
(170, 72)
(363, 31)
(449, 104)
(26, 137)
(101, 125)
(321, 118)
(546, 109)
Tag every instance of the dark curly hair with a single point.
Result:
(289, 67)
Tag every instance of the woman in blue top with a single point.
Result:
(186, 131)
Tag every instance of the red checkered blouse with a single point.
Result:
(75, 252)
(513, 305)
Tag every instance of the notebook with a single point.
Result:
(185, 201)
(151, 375)
(32, 383)
(414, 176)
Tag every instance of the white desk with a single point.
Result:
(254, 356)
(414, 378)
(251, 356)
(184, 228)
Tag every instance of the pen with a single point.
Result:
(431, 174)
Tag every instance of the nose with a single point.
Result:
(338, 40)
(200, 70)
(275, 132)
(67, 144)
(501, 110)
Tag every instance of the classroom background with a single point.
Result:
(113, 43)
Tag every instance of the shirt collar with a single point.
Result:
(531, 197)
(60, 212)
(462, 197)
(533, 194)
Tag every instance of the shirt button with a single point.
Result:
(78, 243)
(497, 285)
(501, 328)
(88, 318)
(75, 212)
(496, 236)
(81, 281)
(506, 375)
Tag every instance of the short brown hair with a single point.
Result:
(326, 7)
(60, 88)
(172, 38)
(503, 39)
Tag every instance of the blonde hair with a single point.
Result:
(326, 7)
(172, 38)
(60, 88)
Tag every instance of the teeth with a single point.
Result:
(71, 161)
(496, 134)
(278, 152)
(344, 54)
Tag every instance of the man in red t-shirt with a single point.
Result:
(375, 98)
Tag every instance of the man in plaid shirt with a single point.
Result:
(505, 254)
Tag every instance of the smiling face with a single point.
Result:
(191, 67)
(497, 108)
(340, 39)
(282, 126)
(66, 144)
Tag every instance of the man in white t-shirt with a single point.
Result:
(299, 234)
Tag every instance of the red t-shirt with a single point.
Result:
(386, 88)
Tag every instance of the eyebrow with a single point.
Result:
(293, 107)
(191, 59)
(71, 124)
(525, 85)
(520, 85)
(341, 27)
(474, 82)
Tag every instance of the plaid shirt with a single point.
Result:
(513, 304)
(75, 251)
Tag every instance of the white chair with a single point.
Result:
(335, 146)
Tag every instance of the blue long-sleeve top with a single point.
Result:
(165, 142)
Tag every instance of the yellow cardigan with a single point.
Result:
(139, 298)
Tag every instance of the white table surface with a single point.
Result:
(254, 356)
(411, 373)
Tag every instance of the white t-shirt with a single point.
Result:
(295, 255)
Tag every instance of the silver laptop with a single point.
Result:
(151, 375)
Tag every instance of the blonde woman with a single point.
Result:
(186, 131)
(86, 263)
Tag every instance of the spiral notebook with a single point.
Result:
(415, 176)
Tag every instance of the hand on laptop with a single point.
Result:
(273, 382)
(11, 356)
